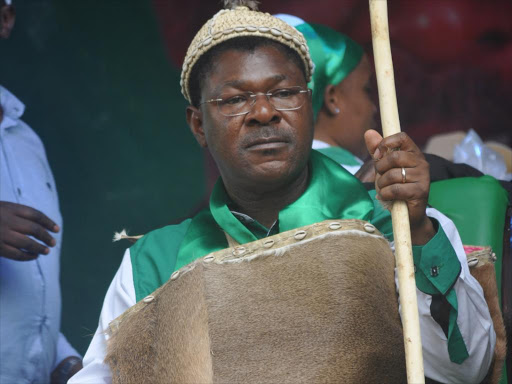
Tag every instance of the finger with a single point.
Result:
(372, 139)
(400, 141)
(32, 228)
(16, 254)
(394, 176)
(25, 243)
(398, 159)
(366, 173)
(403, 192)
(38, 217)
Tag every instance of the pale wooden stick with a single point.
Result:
(399, 212)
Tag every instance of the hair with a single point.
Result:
(242, 43)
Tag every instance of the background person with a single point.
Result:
(31, 348)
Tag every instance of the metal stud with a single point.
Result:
(335, 225)
(148, 299)
(472, 262)
(434, 271)
(208, 258)
(300, 235)
(239, 251)
(268, 243)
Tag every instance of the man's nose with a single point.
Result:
(263, 112)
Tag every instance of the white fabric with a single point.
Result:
(318, 144)
(474, 322)
(120, 296)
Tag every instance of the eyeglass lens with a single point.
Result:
(281, 99)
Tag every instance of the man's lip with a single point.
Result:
(267, 143)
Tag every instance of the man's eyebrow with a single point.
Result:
(240, 83)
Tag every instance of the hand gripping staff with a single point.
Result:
(399, 212)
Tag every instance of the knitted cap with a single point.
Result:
(242, 20)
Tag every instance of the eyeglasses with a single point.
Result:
(282, 99)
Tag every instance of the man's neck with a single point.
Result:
(264, 206)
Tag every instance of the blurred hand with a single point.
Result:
(17, 223)
(366, 174)
(66, 369)
(391, 155)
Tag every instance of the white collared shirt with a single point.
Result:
(30, 301)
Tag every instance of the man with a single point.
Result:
(31, 348)
(250, 106)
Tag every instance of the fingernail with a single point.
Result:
(53, 242)
(56, 228)
(376, 154)
(46, 251)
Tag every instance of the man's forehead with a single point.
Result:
(244, 83)
(266, 66)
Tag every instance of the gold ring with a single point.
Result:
(404, 176)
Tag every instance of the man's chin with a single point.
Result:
(275, 172)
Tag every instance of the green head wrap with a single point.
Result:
(335, 55)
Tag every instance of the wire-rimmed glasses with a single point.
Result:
(240, 103)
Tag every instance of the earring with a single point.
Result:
(337, 110)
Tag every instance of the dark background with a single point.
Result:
(100, 81)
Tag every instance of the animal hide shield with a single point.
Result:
(317, 304)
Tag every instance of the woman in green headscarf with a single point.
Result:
(341, 88)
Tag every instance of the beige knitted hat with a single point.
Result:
(241, 18)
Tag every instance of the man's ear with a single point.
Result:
(331, 100)
(195, 122)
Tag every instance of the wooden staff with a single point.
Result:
(399, 211)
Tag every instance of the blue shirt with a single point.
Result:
(30, 301)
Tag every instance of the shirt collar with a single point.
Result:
(13, 108)
(332, 193)
(338, 154)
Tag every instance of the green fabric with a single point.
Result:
(335, 55)
(477, 206)
(327, 180)
(154, 255)
(332, 193)
(340, 155)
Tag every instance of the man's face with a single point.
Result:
(265, 148)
